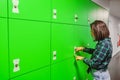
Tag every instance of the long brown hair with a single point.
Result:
(100, 30)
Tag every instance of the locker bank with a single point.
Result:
(38, 38)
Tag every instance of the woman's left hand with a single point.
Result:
(79, 58)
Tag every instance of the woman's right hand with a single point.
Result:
(79, 49)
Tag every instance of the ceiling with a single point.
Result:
(112, 5)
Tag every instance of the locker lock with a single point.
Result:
(15, 6)
(76, 17)
(54, 13)
(16, 65)
(54, 55)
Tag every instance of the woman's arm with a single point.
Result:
(88, 50)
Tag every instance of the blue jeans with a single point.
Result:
(101, 75)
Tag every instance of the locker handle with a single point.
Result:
(54, 55)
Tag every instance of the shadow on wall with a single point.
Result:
(114, 67)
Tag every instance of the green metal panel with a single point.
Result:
(3, 50)
(3, 8)
(62, 41)
(66, 13)
(66, 37)
(81, 70)
(29, 42)
(64, 10)
(85, 40)
(42, 74)
(80, 9)
(33, 10)
(64, 70)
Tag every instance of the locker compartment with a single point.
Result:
(66, 37)
(64, 70)
(62, 42)
(73, 12)
(81, 71)
(3, 8)
(29, 43)
(42, 74)
(83, 38)
(81, 12)
(29, 9)
(4, 74)
(83, 34)
(63, 11)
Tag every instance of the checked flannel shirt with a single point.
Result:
(101, 55)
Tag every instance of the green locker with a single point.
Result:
(62, 42)
(29, 9)
(84, 36)
(71, 11)
(81, 12)
(42, 74)
(66, 37)
(64, 70)
(63, 11)
(3, 8)
(29, 43)
(81, 71)
(4, 69)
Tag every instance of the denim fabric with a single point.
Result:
(101, 75)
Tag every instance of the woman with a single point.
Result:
(101, 55)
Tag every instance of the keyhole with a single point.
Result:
(16, 65)
(15, 6)
(54, 13)
(76, 18)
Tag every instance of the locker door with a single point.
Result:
(42, 74)
(29, 46)
(63, 11)
(30, 9)
(62, 42)
(81, 71)
(3, 8)
(4, 74)
(64, 70)
(80, 11)
(83, 36)
(84, 39)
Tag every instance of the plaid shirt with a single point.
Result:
(101, 55)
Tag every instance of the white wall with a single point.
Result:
(114, 27)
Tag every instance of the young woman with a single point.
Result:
(101, 55)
